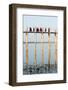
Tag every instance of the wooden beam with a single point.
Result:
(26, 48)
(48, 48)
(56, 39)
(42, 48)
(35, 61)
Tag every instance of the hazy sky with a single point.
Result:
(40, 21)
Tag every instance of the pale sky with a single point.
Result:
(40, 21)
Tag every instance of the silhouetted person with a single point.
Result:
(30, 29)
